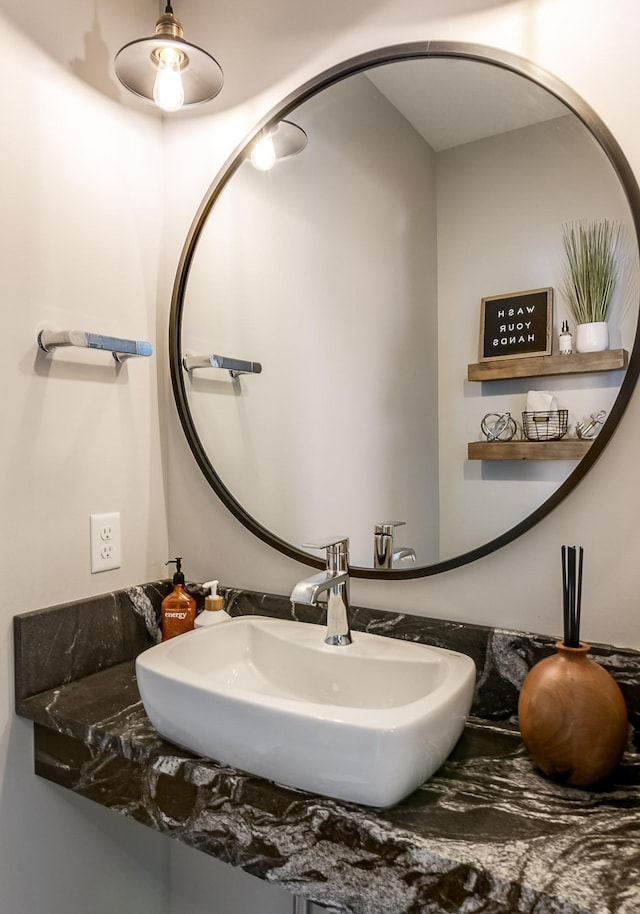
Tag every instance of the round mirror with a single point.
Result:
(325, 312)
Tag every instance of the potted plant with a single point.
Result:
(590, 278)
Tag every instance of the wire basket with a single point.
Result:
(540, 426)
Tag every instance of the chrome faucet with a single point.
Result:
(384, 553)
(334, 582)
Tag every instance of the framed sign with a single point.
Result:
(516, 325)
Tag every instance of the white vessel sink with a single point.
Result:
(368, 722)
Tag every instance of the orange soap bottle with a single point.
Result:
(178, 610)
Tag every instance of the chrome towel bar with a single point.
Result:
(121, 349)
(235, 367)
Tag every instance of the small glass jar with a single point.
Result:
(565, 339)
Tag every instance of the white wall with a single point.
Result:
(80, 228)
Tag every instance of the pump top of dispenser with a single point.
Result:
(178, 577)
(214, 611)
(213, 602)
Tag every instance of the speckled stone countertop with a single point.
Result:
(486, 834)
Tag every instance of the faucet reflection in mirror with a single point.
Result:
(167, 70)
(384, 551)
(334, 583)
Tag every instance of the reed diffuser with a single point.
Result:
(573, 719)
(571, 594)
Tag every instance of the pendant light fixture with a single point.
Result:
(271, 146)
(166, 69)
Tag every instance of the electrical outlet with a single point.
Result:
(105, 542)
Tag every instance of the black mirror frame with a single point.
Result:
(414, 50)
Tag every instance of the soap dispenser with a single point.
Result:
(178, 610)
(214, 611)
(565, 339)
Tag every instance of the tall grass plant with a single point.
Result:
(591, 272)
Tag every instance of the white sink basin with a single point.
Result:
(368, 722)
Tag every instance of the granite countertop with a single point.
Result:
(486, 834)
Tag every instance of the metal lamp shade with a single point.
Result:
(288, 139)
(201, 74)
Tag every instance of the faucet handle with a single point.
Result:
(335, 545)
(386, 528)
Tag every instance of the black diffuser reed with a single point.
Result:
(571, 593)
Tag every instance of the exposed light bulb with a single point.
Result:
(263, 154)
(168, 91)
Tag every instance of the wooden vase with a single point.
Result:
(573, 718)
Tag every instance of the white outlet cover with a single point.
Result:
(106, 552)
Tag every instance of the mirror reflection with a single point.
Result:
(353, 274)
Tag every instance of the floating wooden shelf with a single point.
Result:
(544, 365)
(565, 449)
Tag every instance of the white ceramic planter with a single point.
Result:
(592, 337)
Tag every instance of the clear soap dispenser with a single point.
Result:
(178, 610)
(214, 612)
